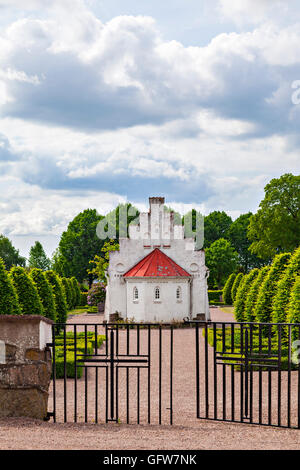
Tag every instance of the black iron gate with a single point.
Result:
(105, 373)
(248, 373)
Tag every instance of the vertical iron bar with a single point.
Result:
(251, 373)
(138, 340)
(269, 377)
(232, 376)
(85, 378)
(128, 346)
(127, 394)
(242, 374)
(112, 385)
(96, 375)
(138, 395)
(117, 390)
(206, 372)
(54, 372)
(149, 374)
(160, 371)
(75, 375)
(65, 375)
(171, 378)
(289, 377)
(197, 373)
(215, 373)
(224, 370)
(298, 382)
(279, 375)
(260, 379)
(246, 371)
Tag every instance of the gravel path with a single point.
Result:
(186, 433)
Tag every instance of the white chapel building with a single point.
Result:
(157, 275)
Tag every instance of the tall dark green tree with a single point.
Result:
(79, 244)
(59, 296)
(275, 228)
(221, 259)
(238, 236)
(216, 225)
(9, 302)
(45, 292)
(38, 258)
(28, 296)
(10, 255)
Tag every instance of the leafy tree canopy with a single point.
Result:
(10, 255)
(216, 226)
(275, 228)
(37, 257)
(237, 234)
(101, 262)
(221, 259)
(78, 245)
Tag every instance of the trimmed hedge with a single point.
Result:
(45, 293)
(241, 296)
(59, 295)
(284, 288)
(227, 289)
(294, 303)
(236, 285)
(263, 307)
(214, 296)
(253, 294)
(27, 292)
(82, 347)
(68, 292)
(9, 303)
(77, 291)
(73, 293)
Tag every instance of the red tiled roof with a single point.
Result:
(156, 264)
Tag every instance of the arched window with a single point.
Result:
(157, 293)
(178, 293)
(135, 293)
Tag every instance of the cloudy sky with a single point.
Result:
(114, 100)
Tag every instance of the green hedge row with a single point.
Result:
(82, 347)
(36, 292)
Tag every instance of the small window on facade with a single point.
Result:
(178, 293)
(157, 293)
(135, 293)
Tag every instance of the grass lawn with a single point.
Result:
(78, 310)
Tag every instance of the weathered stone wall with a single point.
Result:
(25, 368)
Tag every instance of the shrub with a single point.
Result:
(227, 289)
(28, 296)
(284, 288)
(73, 293)
(253, 294)
(59, 295)
(67, 291)
(82, 347)
(294, 303)
(235, 285)
(9, 303)
(263, 307)
(96, 294)
(214, 296)
(77, 291)
(45, 292)
(244, 288)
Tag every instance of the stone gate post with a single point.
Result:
(25, 365)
